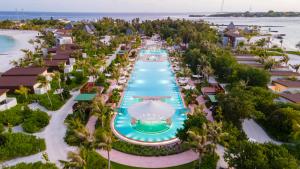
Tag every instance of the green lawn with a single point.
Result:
(185, 166)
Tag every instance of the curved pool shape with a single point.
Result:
(150, 79)
(6, 43)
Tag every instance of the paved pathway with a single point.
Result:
(53, 134)
(91, 124)
(256, 133)
(151, 162)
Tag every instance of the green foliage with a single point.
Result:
(148, 150)
(35, 121)
(246, 155)
(294, 52)
(209, 161)
(115, 97)
(15, 115)
(252, 76)
(14, 145)
(95, 161)
(238, 104)
(37, 165)
(1, 127)
(193, 122)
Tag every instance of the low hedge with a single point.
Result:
(13, 145)
(36, 121)
(15, 115)
(37, 165)
(149, 150)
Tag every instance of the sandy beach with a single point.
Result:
(21, 38)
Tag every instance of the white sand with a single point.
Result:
(21, 38)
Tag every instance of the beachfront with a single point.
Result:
(21, 38)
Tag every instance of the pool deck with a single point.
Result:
(150, 162)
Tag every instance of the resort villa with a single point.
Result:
(6, 102)
(232, 36)
(27, 77)
(285, 85)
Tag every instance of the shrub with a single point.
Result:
(13, 145)
(36, 121)
(148, 150)
(37, 165)
(209, 161)
(1, 127)
(15, 115)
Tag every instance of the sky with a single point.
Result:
(148, 5)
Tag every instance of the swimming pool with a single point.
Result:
(151, 79)
(6, 43)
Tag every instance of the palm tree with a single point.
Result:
(298, 45)
(285, 59)
(106, 144)
(295, 67)
(76, 160)
(215, 133)
(270, 63)
(93, 72)
(45, 83)
(198, 142)
(23, 91)
(15, 63)
(208, 71)
(56, 76)
(101, 111)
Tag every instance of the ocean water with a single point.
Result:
(290, 26)
(6, 43)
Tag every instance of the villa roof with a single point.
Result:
(60, 56)
(288, 83)
(51, 63)
(295, 98)
(206, 90)
(28, 71)
(2, 91)
(284, 73)
(16, 81)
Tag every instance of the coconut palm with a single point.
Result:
(93, 72)
(198, 142)
(269, 64)
(15, 63)
(45, 83)
(23, 91)
(106, 144)
(77, 160)
(295, 67)
(208, 71)
(215, 134)
(101, 111)
(56, 76)
(285, 59)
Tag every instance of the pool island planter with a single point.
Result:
(150, 76)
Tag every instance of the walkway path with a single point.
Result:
(91, 124)
(256, 133)
(151, 162)
(53, 134)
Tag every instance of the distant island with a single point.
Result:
(258, 14)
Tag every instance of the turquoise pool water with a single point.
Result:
(151, 79)
(6, 43)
